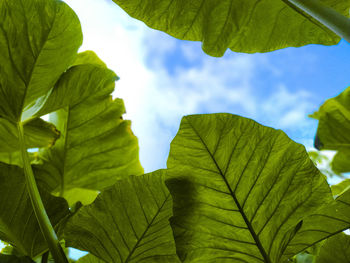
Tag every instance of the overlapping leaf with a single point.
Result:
(334, 129)
(240, 190)
(38, 41)
(18, 224)
(37, 133)
(335, 250)
(323, 224)
(241, 25)
(128, 222)
(96, 146)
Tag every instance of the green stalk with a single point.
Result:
(327, 16)
(38, 206)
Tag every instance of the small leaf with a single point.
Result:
(334, 129)
(128, 222)
(241, 25)
(241, 190)
(18, 224)
(335, 250)
(38, 41)
(37, 133)
(341, 187)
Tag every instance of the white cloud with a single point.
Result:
(156, 98)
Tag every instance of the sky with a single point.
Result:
(163, 79)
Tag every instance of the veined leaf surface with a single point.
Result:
(324, 223)
(128, 222)
(240, 189)
(89, 258)
(18, 224)
(334, 129)
(97, 146)
(39, 39)
(335, 250)
(241, 25)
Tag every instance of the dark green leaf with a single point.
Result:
(240, 190)
(18, 224)
(38, 41)
(335, 250)
(242, 25)
(14, 259)
(334, 129)
(128, 222)
(90, 259)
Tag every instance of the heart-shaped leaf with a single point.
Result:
(241, 190)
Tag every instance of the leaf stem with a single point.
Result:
(38, 206)
(327, 16)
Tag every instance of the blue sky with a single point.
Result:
(162, 79)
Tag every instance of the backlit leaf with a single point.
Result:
(97, 147)
(241, 190)
(39, 39)
(241, 25)
(334, 129)
(128, 222)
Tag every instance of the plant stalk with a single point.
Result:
(38, 206)
(327, 16)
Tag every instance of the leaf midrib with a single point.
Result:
(246, 220)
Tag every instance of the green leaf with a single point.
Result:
(39, 39)
(88, 57)
(97, 147)
(341, 187)
(18, 224)
(242, 25)
(89, 258)
(78, 84)
(128, 222)
(240, 190)
(334, 129)
(14, 259)
(335, 250)
(322, 224)
(37, 132)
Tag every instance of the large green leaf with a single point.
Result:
(38, 41)
(334, 129)
(241, 25)
(18, 224)
(240, 190)
(128, 222)
(335, 250)
(97, 146)
(37, 133)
